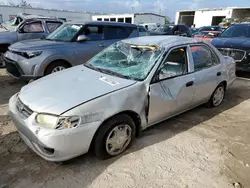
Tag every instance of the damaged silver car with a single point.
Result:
(131, 85)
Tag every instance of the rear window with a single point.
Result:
(114, 32)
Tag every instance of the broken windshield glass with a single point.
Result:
(128, 60)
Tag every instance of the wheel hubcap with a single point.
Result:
(59, 68)
(218, 96)
(118, 139)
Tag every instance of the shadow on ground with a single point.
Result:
(8, 87)
(18, 162)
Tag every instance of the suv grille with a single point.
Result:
(238, 55)
(12, 68)
(24, 110)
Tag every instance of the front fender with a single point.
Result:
(52, 58)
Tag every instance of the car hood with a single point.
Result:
(59, 92)
(37, 44)
(241, 43)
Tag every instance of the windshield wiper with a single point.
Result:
(106, 71)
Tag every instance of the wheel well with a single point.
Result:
(58, 60)
(4, 47)
(224, 83)
(135, 117)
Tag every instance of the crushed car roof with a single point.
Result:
(162, 41)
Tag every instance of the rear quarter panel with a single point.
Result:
(228, 67)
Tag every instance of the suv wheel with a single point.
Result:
(56, 67)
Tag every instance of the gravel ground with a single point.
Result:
(202, 148)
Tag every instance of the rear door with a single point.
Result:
(172, 88)
(207, 70)
(31, 30)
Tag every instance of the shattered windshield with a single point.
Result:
(126, 60)
(9, 25)
(65, 32)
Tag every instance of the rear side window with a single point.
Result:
(113, 32)
(94, 32)
(33, 27)
(52, 26)
(203, 57)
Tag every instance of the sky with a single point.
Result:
(164, 7)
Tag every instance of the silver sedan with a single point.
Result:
(126, 88)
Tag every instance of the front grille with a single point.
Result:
(24, 110)
(237, 54)
(12, 68)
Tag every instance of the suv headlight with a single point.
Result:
(33, 54)
(57, 122)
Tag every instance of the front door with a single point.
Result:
(87, 49)
(173, 87)
(31, 30)
(207, 72)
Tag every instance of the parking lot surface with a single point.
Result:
(202, 148)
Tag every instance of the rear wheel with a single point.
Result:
(217, 96)
(114, 137)
(56, 67)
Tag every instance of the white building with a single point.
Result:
(7, 12)
(206, 17)
(137, 18)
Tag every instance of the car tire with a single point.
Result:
(112, 135)
(217, 96)
(57, 65)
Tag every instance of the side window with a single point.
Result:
(142, 31)
(94, 32)
(175, 64)
(203, 57)
(33, 27)
(52, 26)
(113, 32)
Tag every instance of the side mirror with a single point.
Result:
(82, 38)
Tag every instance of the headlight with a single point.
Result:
(32, 54)
(47, 121)
(57, 122)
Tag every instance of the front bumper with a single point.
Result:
(20, 67)
(50, 144)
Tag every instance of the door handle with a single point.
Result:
(189, 83)
(218, 73)
(101, 45)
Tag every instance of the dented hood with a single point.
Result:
(64, 90)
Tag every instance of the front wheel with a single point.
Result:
(56, 67)
(114, 137)
(217, 96)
